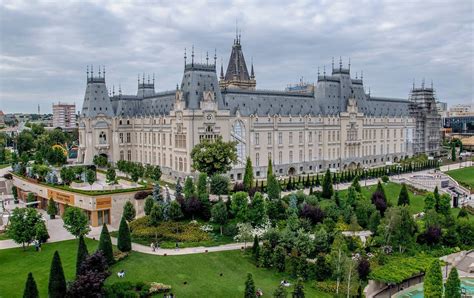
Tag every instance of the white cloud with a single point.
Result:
(45, 46)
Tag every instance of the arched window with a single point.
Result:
(238, 135)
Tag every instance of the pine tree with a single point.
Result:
(433, 283)
(129, 211)
(453, 285)
(356, 184)
(299, 289)
(249, 287)
(308, 182)
(248, 174)
(436, 197)
(124, 243)
(149, 202)
(453, 152)
(266, 254)
(57, 281)
(273, 187)
(403, 197)
(256, 249)
(31, 290)
(317, 183)
(269, 168)
(105, 245)
(327, 186)
(82, 254)
(280, 292)
(188, 187)
(279, 257)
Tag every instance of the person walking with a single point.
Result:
(152, 245)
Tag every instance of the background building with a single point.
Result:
(64, 115)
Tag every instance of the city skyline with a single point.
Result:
(44, 59)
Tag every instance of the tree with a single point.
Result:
(248, 174)
(378, 199)
(202, 187)
(298, 292)
(433, 282)
(219, 184)
(31, 290)
(41, 232)
(279, 257)
(175, 212)
(76, 221)
(22, 228)
(156, 215)
(256, 247)
(24, 142)
(188, 187)
(327, 186)
(105, 245)
(356, 184)
(273, 188)
(403, 197)
(280, 292)
(156, 173)
(129, 211)
(453, 152)
(219, 214)
(249, 287)
(338, 258)
(82, 254)
(149, 202)
(90, 177)
(100, 161)
(374, 221)
(239, 205)
(94, 271)
(57, 281)
(67, 175)
(244, 233)
(179, 188)
(56, 156)
(215, 157)
(323, 268)
(444, 205)
(111, 176)
(453, 285)
(257, 210)
(363, 269)
(321, 239)
(430, 202)
(124, 242)
(266, 254)
(52, 208)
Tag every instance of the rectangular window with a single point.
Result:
(280, 138)
(280, 157)
(257, 159)
(121, 138)
(310, 136)
(301, 156)
(269, 138)
(257, 138)
(291, 138)
(301, 137)
(291, 156)
(310, 155)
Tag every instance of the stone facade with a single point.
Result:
(336, 124)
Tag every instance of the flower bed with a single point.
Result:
(168, 231)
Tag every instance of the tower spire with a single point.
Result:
(103, 70)
(92, 71)
(332, 63)
(87, 71)
(222, 70)
(207, 58)
(185, 57)
(349, 64)
(215, 58)
(318, 71)
(252, 73)
(340, 62)
(192, 57)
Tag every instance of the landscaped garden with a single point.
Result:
(464, 176)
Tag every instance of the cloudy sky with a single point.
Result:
(45, 46)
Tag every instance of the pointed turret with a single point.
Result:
(237, 74)
(96, 98)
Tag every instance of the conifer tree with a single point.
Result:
(124, 243)
(317, 183)
(327, 186)
(105, 245)
(256, 247)
(149, 202)
(248, 174)
(433, 283)
(31, 290)
(280, 292)
(57, 281)
(266, 255)
(273, 187)
(82, 254)
(453, 285)
(279, 257)
(249, 287)
(453, 152)
(356, 184)
(129, 211)
(403, 198)
(299, 289)
(436, 197)
(308, 182)
(188, 187)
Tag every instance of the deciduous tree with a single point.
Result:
(219, 214)
(22, 228)
(76, 221)
(215, 157)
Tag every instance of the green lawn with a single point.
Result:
(464, 176)
(392, 190)
(4, 236)
(202, 274)
(201, 271)
(2, 166)
(16, 263)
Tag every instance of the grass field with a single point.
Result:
(4, 236)
(392, 190)
(464, 176)
(2, 166)
(201, 271)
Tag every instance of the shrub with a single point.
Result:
(385, 178)
(168, 231)
(127, 289)
(141, 195)
(156, 287)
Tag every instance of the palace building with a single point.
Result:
(335, 123)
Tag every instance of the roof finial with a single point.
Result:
(184, 56)
(240, 33)
(423, 84)
(431, 84)
(356, 75)
(148, 79)
(369, 90)
(324, 71)
(99, 71)
(340, 62)
(349, 64)
(192, 57)
(87, 71)
(113, 90)
(120, 89)
(103, 70)
(413, 84)
(207, 58)
(361, 75)
(215, 58)
(143, 78)
(332, 63)
(153, 80)
(138, 79)
(318, 71)
(92, 71)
